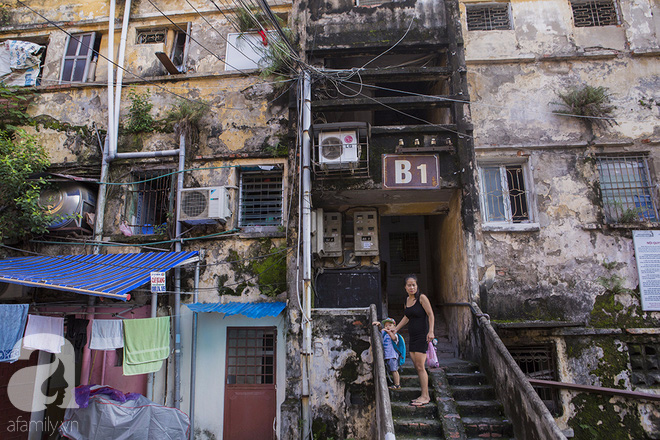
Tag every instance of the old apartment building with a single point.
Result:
(561, 196)
(286, 164)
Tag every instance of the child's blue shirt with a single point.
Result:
(388, 346)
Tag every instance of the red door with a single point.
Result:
(250, 393)
(14, 423)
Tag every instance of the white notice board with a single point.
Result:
(647, 254)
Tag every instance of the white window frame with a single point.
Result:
(531, 224)
(77, 57)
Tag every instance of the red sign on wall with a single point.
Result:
(407, 171)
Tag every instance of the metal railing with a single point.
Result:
(384, 421)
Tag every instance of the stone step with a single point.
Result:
(467, 379)
(417, 426)
(404, 409)
(455, 365)
(405, 394)
(486, 408)
(473, 392)
(487, 427)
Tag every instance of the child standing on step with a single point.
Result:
(394, 349)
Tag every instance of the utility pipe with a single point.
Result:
(111, 67)
(193, 350)
(120, 74)
(177, 278)
(306, 195)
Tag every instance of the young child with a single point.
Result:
(394, 350)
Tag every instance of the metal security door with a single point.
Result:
(250, 391)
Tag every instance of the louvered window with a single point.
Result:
(594, 13)
(261, 199)
(488, 17)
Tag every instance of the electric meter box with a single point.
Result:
(365, 225)
(332, 239)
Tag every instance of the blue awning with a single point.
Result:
(109, 275)
(250, 309)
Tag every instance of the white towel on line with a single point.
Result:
(44, 333)
(107, 334)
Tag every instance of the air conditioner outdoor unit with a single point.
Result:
(339, 149)
(204, 205)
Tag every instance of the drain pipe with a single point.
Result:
(193, 350)
(306, 195)
(177, 279)
(120, 72)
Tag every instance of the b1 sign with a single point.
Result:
(419, 171)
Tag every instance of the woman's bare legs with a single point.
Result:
(419, 359)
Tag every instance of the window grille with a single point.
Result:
(261, 199)
(151, 36)
(404, 253)
(369, 2)
(488, 17)
(645, 364)
(250, 356)
(594, 13)
(626, 189)
(504, 194)
(538, 362)
(149, 203)
(79, 50)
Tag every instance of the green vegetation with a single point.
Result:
(264, 267)
(139, 113)
(20, 214)
(185, 118)
(585, 100)
(249, 18)
(598, 419)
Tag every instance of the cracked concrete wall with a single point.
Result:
(342, 395)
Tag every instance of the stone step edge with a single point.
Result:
(452, 424)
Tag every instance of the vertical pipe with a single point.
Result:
(120, 74)
(193, 354)
(111, 66)
(307, 252)
(177, 280)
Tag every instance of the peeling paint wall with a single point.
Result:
(343, 391)
(568, 265)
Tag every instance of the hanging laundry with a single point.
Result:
(44, 333)
(146, 344)
(76, 331)
(12, 326)
(107, 334)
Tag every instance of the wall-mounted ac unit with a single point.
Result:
(12, 291)
(339, 149)
(204, 205)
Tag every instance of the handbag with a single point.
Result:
(432, 357)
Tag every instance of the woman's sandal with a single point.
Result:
(395, 387)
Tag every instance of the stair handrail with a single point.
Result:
(530, 417)
(384, 421)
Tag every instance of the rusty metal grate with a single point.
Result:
(488, 17)
(150, 202)
(538, 362)
(645, 364)
(261, 199)
(594, 13)
(504, 194)
(626, 189)
(250, 356)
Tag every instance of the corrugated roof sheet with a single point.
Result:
(109, 275)
(250, 309)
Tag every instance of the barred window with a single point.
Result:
(538, 362)
(488, 17)
(505, 197)
(250, 356)
(626, 189)
(594, 13)
(151, 36)
(150, 202)
(261, 199)
(404, 253)
(645, 364)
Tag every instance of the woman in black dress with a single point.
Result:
(418, 313)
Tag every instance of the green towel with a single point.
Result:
(146, 344)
